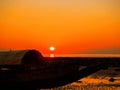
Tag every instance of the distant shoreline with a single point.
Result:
(83, 55)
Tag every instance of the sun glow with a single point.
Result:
(52, 48)
(60, 26)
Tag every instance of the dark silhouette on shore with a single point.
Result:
(35, 71)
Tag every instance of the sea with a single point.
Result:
(81, 55)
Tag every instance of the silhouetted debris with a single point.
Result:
(111, 79)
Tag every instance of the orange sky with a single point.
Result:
(68, 25)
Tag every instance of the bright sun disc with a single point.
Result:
(52, 48)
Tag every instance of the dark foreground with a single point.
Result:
(56, 72)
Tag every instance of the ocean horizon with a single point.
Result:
(81, 55)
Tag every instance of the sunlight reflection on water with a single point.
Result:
(52, 55)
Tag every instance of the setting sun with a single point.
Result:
(52, 48)
(72, 26)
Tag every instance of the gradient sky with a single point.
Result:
(68, 25)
